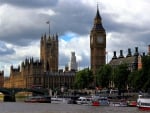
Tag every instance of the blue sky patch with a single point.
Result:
(69, 35)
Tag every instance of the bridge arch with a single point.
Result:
(9, 93)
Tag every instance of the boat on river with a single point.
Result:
(84, 100)
(38, 99)
(101, 101)
(132, 103)
(143, 102)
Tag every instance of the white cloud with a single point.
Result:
(80, 45)
(33, 50)
(46, 11)
(126, 24)
(14, 20)
(128, 11)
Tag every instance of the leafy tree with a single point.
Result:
(83, 79)
(121, 76)
(140, 79)
(145, 73)
(103, 76)
(134, 81)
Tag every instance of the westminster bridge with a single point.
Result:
(9, 93)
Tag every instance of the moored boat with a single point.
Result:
(84, 100)
(95, 103)
(132, 103)
(119, 103)
(101, 101)
(143, 102)
(104, 101)
(38, 99)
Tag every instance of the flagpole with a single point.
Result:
(49, 28)
(48, 22)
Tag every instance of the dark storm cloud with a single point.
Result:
(135, 34)
(24, 38)
(30, 3)
(69, 17)
(4, 50)
(111, 25)
(76, 18)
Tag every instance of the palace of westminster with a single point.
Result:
(45, 72)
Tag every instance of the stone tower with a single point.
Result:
(73, 63)
(97, 43)
(49, 53)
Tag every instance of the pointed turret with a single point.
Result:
(97, 14)
(98, 21)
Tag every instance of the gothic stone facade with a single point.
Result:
(43, 72)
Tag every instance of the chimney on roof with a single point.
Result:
(136, 51)
(129, 53)
(114, 57)
(121, 54)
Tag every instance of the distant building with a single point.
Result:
(43, 72)
(129, 59)
(134, 61)
(73, 63)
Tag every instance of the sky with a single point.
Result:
(23, 22)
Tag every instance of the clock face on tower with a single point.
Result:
(100, 39)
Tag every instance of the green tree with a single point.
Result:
(145, 79)
(103, 76)
(134, 80)
(140, 79)
(121, 76)
(83, 79)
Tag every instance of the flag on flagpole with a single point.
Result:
(47, 22)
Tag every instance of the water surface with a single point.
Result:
(21, 107)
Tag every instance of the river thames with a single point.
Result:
(21, 107)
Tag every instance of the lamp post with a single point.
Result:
(62, 91)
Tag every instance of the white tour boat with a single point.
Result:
(84, 100)
(143, 102)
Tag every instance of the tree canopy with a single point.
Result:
(83, 79)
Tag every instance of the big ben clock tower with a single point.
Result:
(97, 43)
